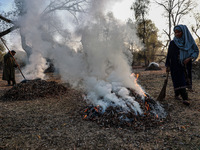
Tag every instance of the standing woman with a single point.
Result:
(182, 51)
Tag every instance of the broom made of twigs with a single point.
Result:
(163, 91)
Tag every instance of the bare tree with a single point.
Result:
(174, 12)
(196, 27)
(72, 6)
(14, 26)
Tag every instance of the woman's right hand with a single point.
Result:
(187, 60)
(167, 69)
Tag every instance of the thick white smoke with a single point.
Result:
(36, 67)
(107, 94)
(100, 67)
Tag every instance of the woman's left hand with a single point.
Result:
(187, 60)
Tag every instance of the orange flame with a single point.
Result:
(145, 95)
(86, 110)
(84, 116)
(136, 78)
(136, 75)
(97, 108)
(147, 106)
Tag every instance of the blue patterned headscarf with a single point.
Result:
(186, 43)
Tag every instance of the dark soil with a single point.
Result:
(56, 122)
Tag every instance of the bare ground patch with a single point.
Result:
(56, 123)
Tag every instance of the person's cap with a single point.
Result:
(13, 51)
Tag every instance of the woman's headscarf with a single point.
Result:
(186, 43)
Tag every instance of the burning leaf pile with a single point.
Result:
(33, 89)
(117, 117)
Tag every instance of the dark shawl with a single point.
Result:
(186, 44)
(181, 76)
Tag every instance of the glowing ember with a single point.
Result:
(96, 108)
(147, 106)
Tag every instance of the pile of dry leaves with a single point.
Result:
(33, 89)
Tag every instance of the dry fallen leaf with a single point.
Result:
(39, 137)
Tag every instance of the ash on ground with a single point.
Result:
(33, 89)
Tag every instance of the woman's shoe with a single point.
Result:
(14, 84)
(177, 98)
(185, 102)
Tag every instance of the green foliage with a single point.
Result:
(140, 8)
(152, 44)
(138, 58)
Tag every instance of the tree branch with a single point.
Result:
(6, 20)
(8, 31)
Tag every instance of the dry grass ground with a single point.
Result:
(56, 123)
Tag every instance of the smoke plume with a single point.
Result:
(99, 66)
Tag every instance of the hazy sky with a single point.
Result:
(5, 4)
(122, 11)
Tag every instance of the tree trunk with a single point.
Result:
(26, 48)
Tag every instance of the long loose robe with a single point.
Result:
(181, 75)
(9, 68)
